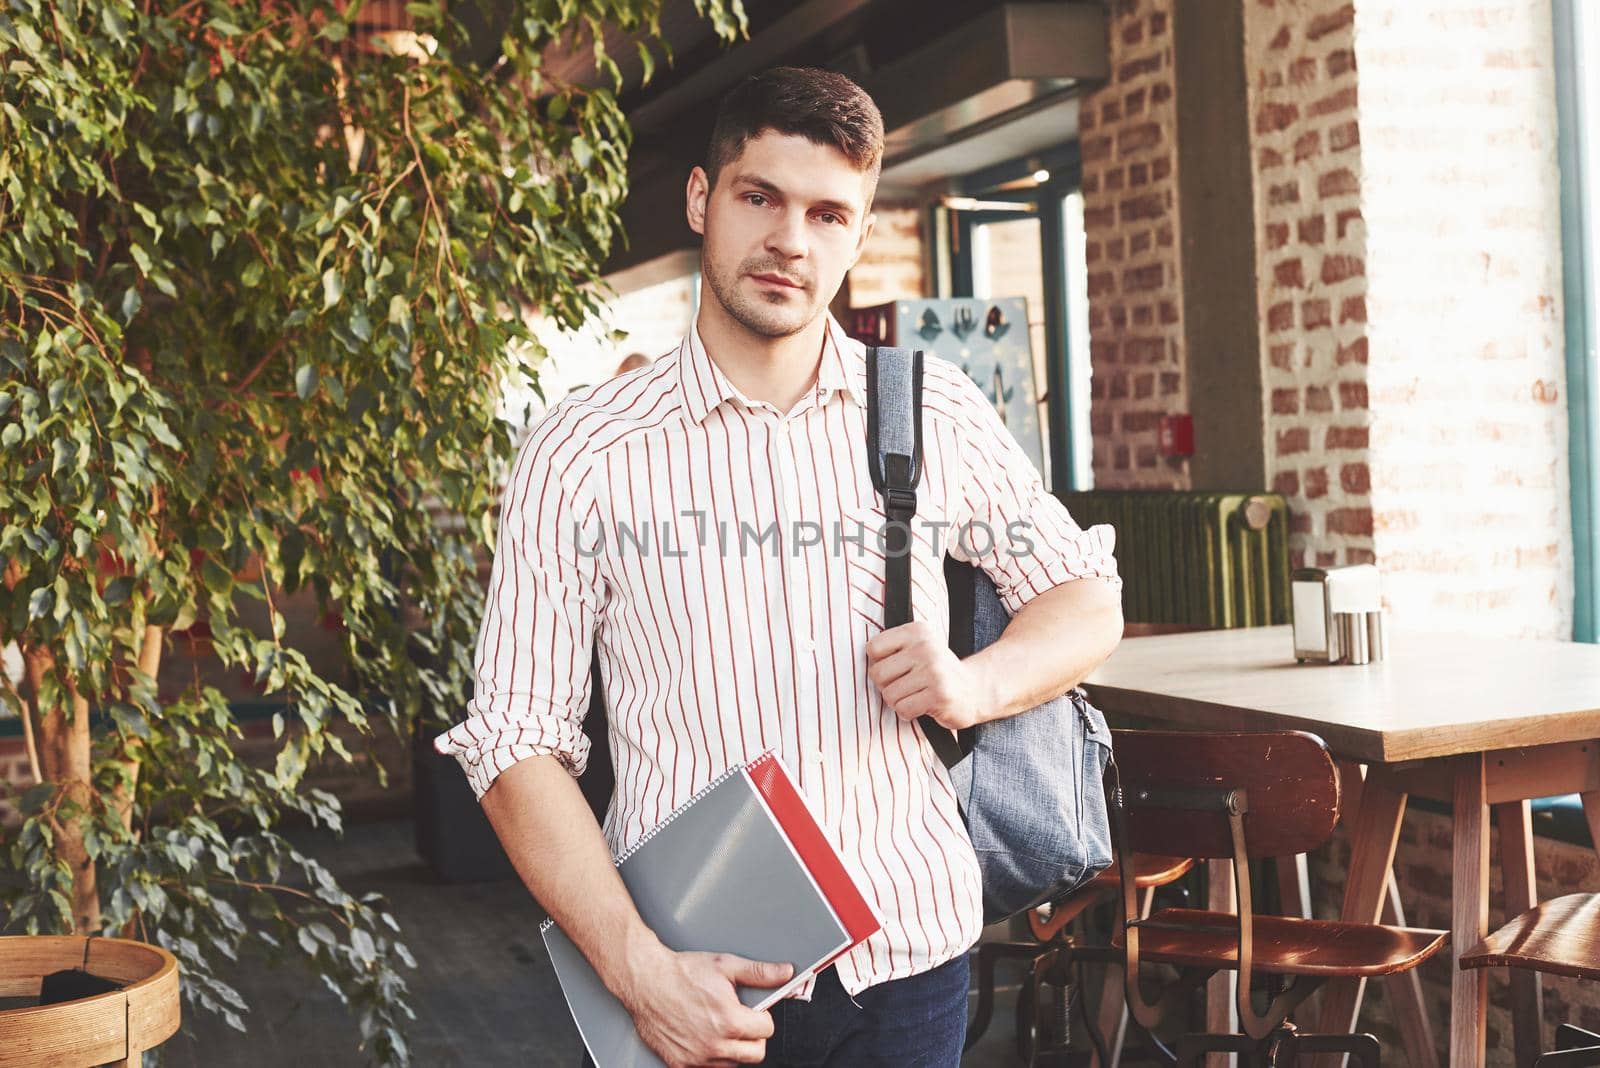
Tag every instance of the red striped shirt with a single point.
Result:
(722, 557)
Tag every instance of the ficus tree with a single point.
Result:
(261, 278)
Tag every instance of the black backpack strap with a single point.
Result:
(894, 458)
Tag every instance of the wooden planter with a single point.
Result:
(111, 1028)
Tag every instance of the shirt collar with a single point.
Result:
(703, 385)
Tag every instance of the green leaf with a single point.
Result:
(251, 275)
(362, 945)
(11, 434)
(216, 578)
(332, 287)
(305, 381)
(131, 303)
(117, 590)
(148, 217)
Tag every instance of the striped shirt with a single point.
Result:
(722, 557)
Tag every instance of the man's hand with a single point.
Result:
(686, 1009)
(920, 676)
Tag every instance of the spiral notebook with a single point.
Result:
(741, 867)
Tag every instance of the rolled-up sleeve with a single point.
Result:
(1020, 534)
(544, 595)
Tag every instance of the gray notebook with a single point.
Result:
(742, 867)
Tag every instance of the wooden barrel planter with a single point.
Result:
(110, 1028)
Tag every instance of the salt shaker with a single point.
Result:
(1352, 630)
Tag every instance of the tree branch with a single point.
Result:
(261, 364)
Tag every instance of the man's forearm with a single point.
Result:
(552, 839)
(1050, 646)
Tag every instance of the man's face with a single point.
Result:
(785, 222)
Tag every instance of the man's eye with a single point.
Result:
(754, 198)
(830, 217)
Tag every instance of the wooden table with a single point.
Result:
(1477, 722)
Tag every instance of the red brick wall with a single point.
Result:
(1467, 373)
(1408, 255)
(1408, 265)
(1311, 254)
(892, 265)
(1134, 274)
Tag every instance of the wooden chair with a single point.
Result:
(1243, 797)
(1558, 937)
(1042, 1032)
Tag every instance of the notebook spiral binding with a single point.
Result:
(737, 769)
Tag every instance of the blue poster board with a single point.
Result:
(987, 338)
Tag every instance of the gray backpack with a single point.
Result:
(1031, 786)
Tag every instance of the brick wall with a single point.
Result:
(1461, 199)
(1134, 276)
(892, 265)
(1408, 260)
(1408, 265)
(1311, 273)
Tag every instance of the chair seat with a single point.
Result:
(1148, 870)
(1285, 945)
(1560, 936)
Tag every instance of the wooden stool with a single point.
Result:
(1558, 937)
(114, 1027)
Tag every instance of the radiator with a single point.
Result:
(1199, 559)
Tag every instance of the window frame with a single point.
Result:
(1049, 207)
(1576, 111)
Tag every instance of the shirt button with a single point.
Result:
(815, 756)
(807, 645)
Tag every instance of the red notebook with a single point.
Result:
(742, 867)
(789, 809)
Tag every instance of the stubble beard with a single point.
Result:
(769, 314)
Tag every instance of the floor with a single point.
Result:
(483, 992)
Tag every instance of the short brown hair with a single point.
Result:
(824, 107)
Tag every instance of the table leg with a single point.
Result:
(1372, 843)
(1405, 994)
(1469, 912)
(1221, 1010)
(1405, 990)
(1515, 821)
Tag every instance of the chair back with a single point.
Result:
(1172, 784)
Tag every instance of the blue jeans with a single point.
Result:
(917, 1022)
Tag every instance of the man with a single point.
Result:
(712, 650)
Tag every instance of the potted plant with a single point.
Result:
(258, 272)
